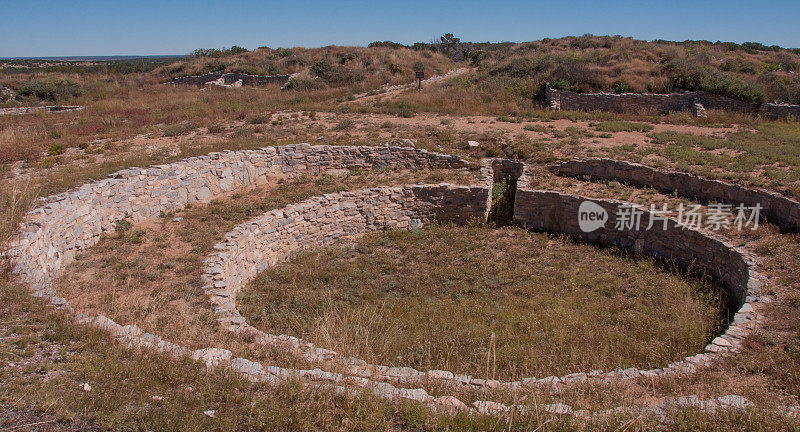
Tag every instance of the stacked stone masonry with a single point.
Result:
(561, 100)
(231, 77)
(778, 209)
(255, 245)
(62, 225)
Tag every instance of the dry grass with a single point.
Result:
(765, 373)
(432, 299)
(44, 359)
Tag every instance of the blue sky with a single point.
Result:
(147, 27)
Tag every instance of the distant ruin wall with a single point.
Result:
(232, 77)
(561, 100)
(777, 111)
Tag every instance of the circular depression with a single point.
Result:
(432, 298)
(65, 224)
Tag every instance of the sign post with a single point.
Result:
(420, 76)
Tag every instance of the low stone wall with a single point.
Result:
(273, 237)
(778, 209)
(28, 110)
(713, 101)
(561, 100)
(692, 250)
(231, 77)
(780, 111)
(269, 239)
(64, 224)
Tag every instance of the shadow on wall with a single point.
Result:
(502, 211)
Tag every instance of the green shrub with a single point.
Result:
(213, 52)
(304, 82)
(216, 66)
(477, 57)
(689, 76)
(347, 57)
(178, 129)
(52, 91)
(334, 74)
(560, 84)
(535, 128)
(620, 86)
(386, 44)
(503, 193)
(260, 119)
(55, 149)
(122, 225)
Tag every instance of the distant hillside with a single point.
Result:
(751, 72)
(333, 66)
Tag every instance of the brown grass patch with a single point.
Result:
(433, 298)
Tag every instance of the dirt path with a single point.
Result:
(389, 92)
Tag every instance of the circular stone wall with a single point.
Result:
(64, 224)
(275, 236)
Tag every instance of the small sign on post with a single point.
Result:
(420, 77)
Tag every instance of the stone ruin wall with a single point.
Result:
(232, 77)
(64, 224)
(561, 100)
(779, 111)
(275, 236)
(778, 209)
(691, 250)
(661, 103)
(267, 240)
